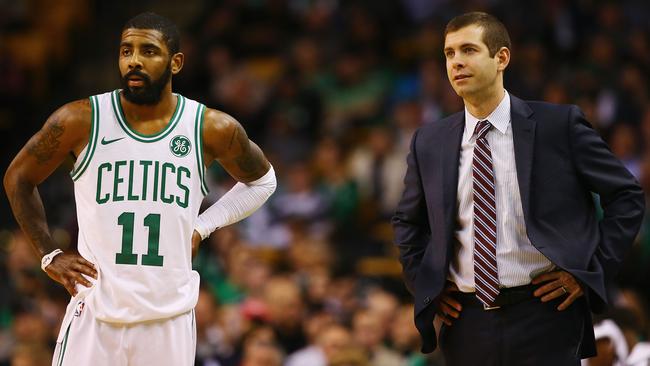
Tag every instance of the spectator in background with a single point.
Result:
(213, 261)
(335, 182)
(299, 204)
(620, 340)
(31, 354)
(405, 339)
(407, 116)
(31, 339)
(432, 84)
(261, 348)
(212, 345)
(384, 304)
(351, 355)
(285, 306)
(343, 299)
(378, 167)
(612, 350)
(624, 144)
(369, 332)
(248, 271)
(329, 340)
(294, 118)
(333, 339)
(310, 260)
(352, 93)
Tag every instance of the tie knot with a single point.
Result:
(482, 128)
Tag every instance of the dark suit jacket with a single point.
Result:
(560, 160)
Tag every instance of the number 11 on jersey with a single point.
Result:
(126, 255)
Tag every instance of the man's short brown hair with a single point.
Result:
(495, 34)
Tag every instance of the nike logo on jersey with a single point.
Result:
(106, 142)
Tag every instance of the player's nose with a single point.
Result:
(135, 61)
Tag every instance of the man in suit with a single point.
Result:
(497, 229)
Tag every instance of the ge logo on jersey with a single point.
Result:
(180, 146)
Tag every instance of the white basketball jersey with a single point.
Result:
(137, 199)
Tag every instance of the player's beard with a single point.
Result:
(150, 92)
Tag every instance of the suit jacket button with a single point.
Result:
(427, 300)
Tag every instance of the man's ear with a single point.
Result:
(503, 58)
(177, 62)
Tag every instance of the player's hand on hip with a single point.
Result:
(558, 284)
(68, 268)
(447, 307)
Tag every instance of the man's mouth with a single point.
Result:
(135, 81)
(461, 77)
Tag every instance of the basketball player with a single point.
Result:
(141, 154)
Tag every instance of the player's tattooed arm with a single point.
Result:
(62, 133)
(226, 141)
(44, 147)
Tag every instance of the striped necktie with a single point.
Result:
(486, 276)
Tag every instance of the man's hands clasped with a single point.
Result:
(67, 269)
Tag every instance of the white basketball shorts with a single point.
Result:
(84, 340)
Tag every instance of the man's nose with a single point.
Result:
(134, 61)
(458, 63)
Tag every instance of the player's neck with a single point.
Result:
(135, 113)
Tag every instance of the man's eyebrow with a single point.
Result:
(467, 44)
(149, 45)
(143, 45)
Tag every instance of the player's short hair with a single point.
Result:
(149, 20)
(495, 34)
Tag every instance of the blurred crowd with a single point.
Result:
(332, 91)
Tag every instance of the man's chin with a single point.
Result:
(136, 91)
(464, 91)
(460, 91)
(141, 99)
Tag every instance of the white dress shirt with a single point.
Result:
(517, 260)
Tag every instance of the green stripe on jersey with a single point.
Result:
(92, 139)
(121, 119)
(198, 132)
(64, 345)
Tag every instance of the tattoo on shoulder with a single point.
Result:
(232, 138)
(45, 143)
(250, 162)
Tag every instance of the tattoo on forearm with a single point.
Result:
(46, 142)
(30, 215)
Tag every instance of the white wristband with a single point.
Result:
(236, 204)
(47, 258)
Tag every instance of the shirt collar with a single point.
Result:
(499, 118)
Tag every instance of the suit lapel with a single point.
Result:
(523, 131)
(450, 156)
